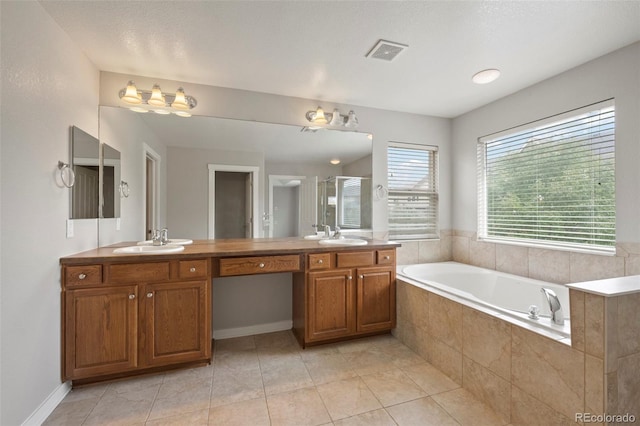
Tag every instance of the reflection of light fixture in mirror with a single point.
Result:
(335, 161)
(352, 120)
(333, 119)
(163, 103)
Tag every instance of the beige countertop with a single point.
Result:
(610, 287)
(223, 248)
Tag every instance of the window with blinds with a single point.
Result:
(349, 191)
(551, 182)
(413, 191)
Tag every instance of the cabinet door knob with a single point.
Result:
(149, 295)
(82, 276)
(361, 277)
(132, 296)
(192, 269)
(261, 265)
(349, 277)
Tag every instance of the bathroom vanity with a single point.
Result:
(126, 314)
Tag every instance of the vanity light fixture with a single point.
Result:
(335, 161)
(157, 101)
(486, 76)
(334, 118)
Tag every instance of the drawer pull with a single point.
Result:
(387, 257)
(132, 296)
(149, 295)
(192, 269)
(320, 261)
(261, 265)
(82, 276)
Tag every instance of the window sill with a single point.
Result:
(603, 251)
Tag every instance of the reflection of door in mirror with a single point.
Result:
(85, 152)
(232, 204)
(292, 209)
(151, 184)
(110, 182)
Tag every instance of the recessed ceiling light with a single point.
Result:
(486, 76)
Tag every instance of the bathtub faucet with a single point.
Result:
(554, 306)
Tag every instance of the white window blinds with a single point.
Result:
(349, 191)
(552, 182)
(413, 191)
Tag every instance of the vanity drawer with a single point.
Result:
(386, 257)
(82, 275)
(193, 268)
(259, 265)
(319, 261)
(137, 272)
(358, 258)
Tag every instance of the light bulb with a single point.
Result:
(161, 111)
(319, 117)
(336, 119)
(485, 76)
(352, 120)
(157, 98)
(182, 114)
(139, 109)
(180, 102)
(131, 94)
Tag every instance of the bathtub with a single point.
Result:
(499, 294)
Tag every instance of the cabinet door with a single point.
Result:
(176, 322)
(101, 331)
(331, 304)
(376, 299)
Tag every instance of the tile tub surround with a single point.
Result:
(269, 380)
(521, 374)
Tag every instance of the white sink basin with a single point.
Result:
(314, 237)
(169, 248)
(343, 242)
(171, 241)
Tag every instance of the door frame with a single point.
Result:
(156, 159)
(255, 198)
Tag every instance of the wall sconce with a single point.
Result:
(332, 119)
(157, 101)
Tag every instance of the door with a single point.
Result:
(176, 322)
(101, 331)
(331, 304)
(376, 306)
(232, 201)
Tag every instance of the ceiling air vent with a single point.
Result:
(386, 50)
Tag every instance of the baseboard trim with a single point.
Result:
(48, 405)
(229, 333)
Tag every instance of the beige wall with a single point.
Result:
(48, 85)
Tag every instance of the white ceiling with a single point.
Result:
(316, 49)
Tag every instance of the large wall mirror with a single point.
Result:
(230, 178)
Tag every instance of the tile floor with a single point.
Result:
(268, 379)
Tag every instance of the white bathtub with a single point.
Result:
(503, 295)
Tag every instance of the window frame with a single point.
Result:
(548, 122)
(431, 197)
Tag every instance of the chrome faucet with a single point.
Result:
(557, 317)
(337, 235)
(160, 237)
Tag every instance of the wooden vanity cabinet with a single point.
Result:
(134, 317)
(345, 295)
